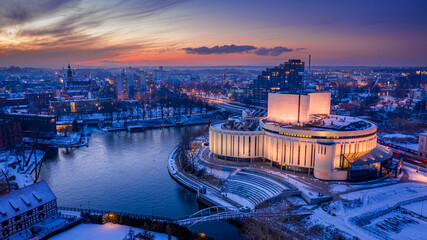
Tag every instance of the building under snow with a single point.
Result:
(23, 208)
(299, 134)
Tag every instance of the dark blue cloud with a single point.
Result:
(226, 49)
(276, 51)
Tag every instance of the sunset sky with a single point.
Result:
(48, 33)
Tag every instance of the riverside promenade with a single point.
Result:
(247, 184)
(212, 197)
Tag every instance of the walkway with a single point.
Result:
(212, 195)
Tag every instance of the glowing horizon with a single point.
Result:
(211, 33)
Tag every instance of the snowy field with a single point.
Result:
(418, 207)
(108, 231)
(371, 211)
(391, 137)
(396, 135)
(388, 194)
(389, 227)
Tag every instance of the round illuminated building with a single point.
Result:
(299, 134)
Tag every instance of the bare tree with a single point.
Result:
(5, 173)
(281, 227)
(188, 158)
(37, 165)
(143, 110)
(20, 156)
(144, 235)
(287, 226)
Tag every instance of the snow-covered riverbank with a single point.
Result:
(19, 166)
(108, 231)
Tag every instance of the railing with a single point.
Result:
(208, 211)
(45, 232)
(397, 147)
(102, 212)
(68, 216)
(237, 215)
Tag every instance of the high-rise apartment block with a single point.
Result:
(122, 84)
(285, 77)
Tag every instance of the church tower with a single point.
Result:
(69, 73)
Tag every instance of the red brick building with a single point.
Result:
(10, 133)
(42, 97)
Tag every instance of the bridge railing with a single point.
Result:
(237, 215)
(397, 147)
(102, 212)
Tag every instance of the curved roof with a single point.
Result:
(378, 154)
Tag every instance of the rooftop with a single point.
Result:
(378, 154)
(239, 125)
(24, 199)
(331, 123)
(317, 122)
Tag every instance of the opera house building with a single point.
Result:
(299, 134)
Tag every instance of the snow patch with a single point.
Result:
(108, 231)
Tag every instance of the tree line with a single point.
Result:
(167, 227)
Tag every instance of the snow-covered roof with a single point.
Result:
(24, 199)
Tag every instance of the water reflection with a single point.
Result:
(125, 172)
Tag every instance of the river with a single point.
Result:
(127, 172)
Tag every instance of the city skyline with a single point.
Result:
(220, 33)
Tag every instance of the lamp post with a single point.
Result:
(406, 147)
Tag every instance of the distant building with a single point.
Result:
(137, 84)
(136, 80)
(160, 74)
(69, 74)
(39, 97)
(12, 101)
(122, 85)
(22, 209)
(80, 106)
(34, 125)
(144, 79)
(285, 77)
(422, 146)
(130, 85)
(76, 87)
(10, 133)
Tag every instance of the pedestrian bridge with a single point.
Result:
(210, 214)
(227, 213)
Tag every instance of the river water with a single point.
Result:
(127, 172)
